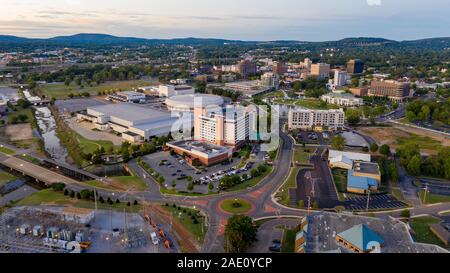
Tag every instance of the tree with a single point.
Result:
(374, 147)
(301, 204)
(66, 192)
(338, 143)
(67, 82)
(254, 173)
(72, 194)
(174, 184)
(413, 166)
(393, 172)
(405, 213)
(210, 186)
(353, 117)
(240, 233)
(190, 186)
(315, 205)
(385, 149)
(78, 195)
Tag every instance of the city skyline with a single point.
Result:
(285, 20)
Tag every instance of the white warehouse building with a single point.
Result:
(170, 90)
(134, 122)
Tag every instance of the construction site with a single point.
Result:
(78, 230)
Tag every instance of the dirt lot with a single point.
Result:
(19, 132)
(85, 129)
(392, 135)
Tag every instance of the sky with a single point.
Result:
(262, 20)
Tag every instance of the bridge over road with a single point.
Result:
(39, 173)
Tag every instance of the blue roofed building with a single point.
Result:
(360, 184)
(360, 239)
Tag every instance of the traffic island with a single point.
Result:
(236, 206)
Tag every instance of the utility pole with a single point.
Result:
(368, 200)
(425, 194)
(309, 204)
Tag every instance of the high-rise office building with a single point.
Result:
(270, 80)
(246, 68)
(340, 78)
(394, 90)
(320, 70)
(355, 66)
(279, 68)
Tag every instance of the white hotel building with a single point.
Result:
(231, 128)
(306, 119)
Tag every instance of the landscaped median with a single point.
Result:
(422, 231)
(236, 206)
(6, 151)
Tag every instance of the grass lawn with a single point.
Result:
(77, 144)
(7, 151)
(291, 182)
(424, 142)
(237, 206)
(185, 219)
(61, 91)
(421, 227)
(433, 198)
(340, 179)
(251, 182)
(30, 159)
(307, 103)
(22, 111)
(49, 196)
(98, 184)
(90, 146)
(6, 177)
(288, 243)
(301, 156)
(132, 181)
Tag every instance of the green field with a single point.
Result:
(424, 142)
(6, 177)
(307, 103)
(49, 196)
(7, 151)
(132, 181)
(61, 91)
(433, 198)
(185, 219)
(236, 206)
(421, 227)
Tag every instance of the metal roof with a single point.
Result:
(360, 182)
(360, 236)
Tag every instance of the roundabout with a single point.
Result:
(236, 206)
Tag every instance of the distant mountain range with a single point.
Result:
(92, 39)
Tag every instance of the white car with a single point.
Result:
(155, 239)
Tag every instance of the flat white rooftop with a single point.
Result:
(133, 113)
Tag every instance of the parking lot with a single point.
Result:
(174, 168)
(376, 202)
(314, 138)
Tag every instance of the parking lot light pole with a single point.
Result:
(368, 200)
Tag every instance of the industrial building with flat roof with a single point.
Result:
(134, 122)
(170, 90)
(201, 152)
